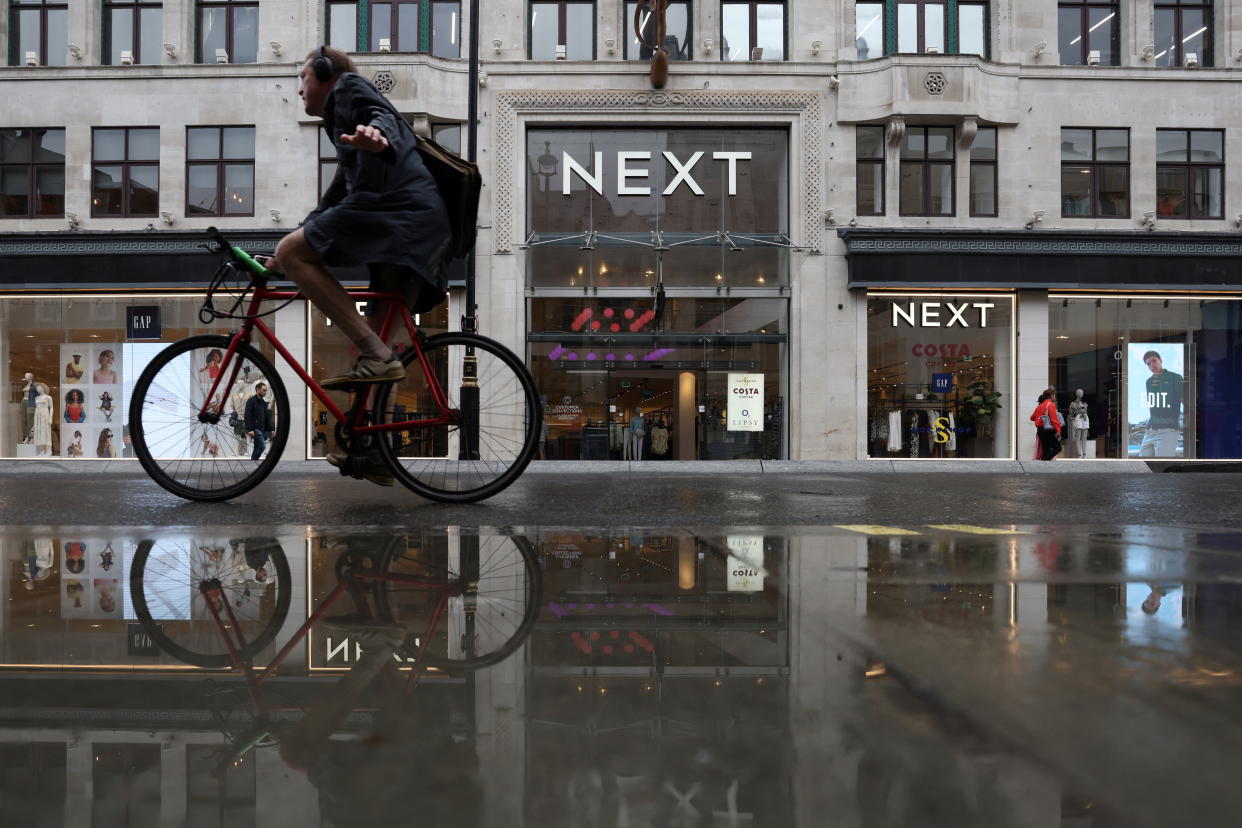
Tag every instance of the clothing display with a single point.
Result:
(635, 434)
(29, 394)
(43, 422)
(659, 440)
(1080, 425)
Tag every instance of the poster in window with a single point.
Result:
(1156, 376)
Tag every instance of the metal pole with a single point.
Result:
(468, 448)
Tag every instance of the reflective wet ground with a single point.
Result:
(855, 675)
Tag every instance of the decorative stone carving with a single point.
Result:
(802, 108)
(384, 81)
(935, 83)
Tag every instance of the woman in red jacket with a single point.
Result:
(1045, 413)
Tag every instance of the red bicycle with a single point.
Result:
(461, 426)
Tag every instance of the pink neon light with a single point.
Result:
(581, 319)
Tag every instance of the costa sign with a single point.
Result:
(635, 166)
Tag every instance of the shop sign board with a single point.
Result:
(1155, 398)
(942, 314)
(143, 322)
(634, 165)
(138, 641)
(745, 402)
(941, 383)
(745, 564)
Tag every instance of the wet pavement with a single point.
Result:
(920, 671)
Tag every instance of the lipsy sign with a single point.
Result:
(626, 172)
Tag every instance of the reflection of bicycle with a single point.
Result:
(462, 606)
(460, 427)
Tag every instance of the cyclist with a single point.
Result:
(382, 210)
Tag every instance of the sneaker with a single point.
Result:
(367, 370)
(365, 468)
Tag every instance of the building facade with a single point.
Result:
(840, 231)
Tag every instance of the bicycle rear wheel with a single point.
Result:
(491, 587)
(435, 461)
(204, 458)
(166, 587)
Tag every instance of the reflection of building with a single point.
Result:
(894, 150)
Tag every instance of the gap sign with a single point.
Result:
(143, 322)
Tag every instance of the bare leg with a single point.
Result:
(299, 261)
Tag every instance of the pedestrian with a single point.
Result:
(1047, 426)
(259, 420)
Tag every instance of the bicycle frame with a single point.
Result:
(353, 420)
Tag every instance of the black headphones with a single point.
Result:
(322, 66)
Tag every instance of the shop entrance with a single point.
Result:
(625, 415)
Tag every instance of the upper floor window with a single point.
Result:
(396, 25)
(983, 183)
(133, 26)
(1183, 28)
(1086, 26)
(228, 31)
(869, 174)
(39, 31)
(562, 29)
(677, 31)
(1095, 173)
(219, 171)
(749, 26)
(445, 28)
(447, 135)
(927, 161)
(1190, 173)
(125, 171)
(32, 173)
(921, 27)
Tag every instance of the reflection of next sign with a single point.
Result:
(745, 410)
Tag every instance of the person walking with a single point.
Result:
(259, 420)
(1047, 426)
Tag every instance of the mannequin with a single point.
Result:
(43, 420)
(29, 393)
(659, 438)
(635, 432)
(1079, 423)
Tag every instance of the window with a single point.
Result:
(40, 27)
(870, 170)
(751, 25)
(983, 173)
(921, 26)
(397, 22)
(343, 25)
(1095, 173)
(134, 26)
(1183, 27)
(567, 23)
(1085, 26)
(447, 136)
(927, 172)
(677, 31)
(32, 173)
(219, 171)
(446, 28)
(212, 798)
(125, 171)
(1190, 173)
(126, 784)
(327, 162)
(231, 26)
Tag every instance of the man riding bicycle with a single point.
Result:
(382, 209)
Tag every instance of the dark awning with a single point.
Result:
(1057, 259)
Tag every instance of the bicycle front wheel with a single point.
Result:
(475, 601)
(166, 586)
(206, 456)
(457, 463)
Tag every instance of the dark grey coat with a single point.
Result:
(381, 208)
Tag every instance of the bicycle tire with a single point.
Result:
(182, 454)
(505, 606)
(178, 570)
(510, 417)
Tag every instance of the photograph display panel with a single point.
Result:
(90, 400)
(1156, 379)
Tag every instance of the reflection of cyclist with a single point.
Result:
(367, 782)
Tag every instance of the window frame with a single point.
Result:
(955, 31)
(562, 25)
(394, 16)
(981, 163)
(125, 165)
(43, 6)
(1084, 27)
(925, 165)
(220, 162)
(1179, 46)
(1189, 166)
(627, 20)
(871, 161)
(230, 26)
(32, 167)
(136, 24)
(1097, 168)
(754, 27)
(429, 38)
(358, 6)
(921, 27)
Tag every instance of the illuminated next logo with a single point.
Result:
(930, 314)
(626, 172)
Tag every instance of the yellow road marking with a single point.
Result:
(974, 530)
(870, 529)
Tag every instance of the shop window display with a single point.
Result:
(1160, 376)
(69, 371)
(940, 375)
